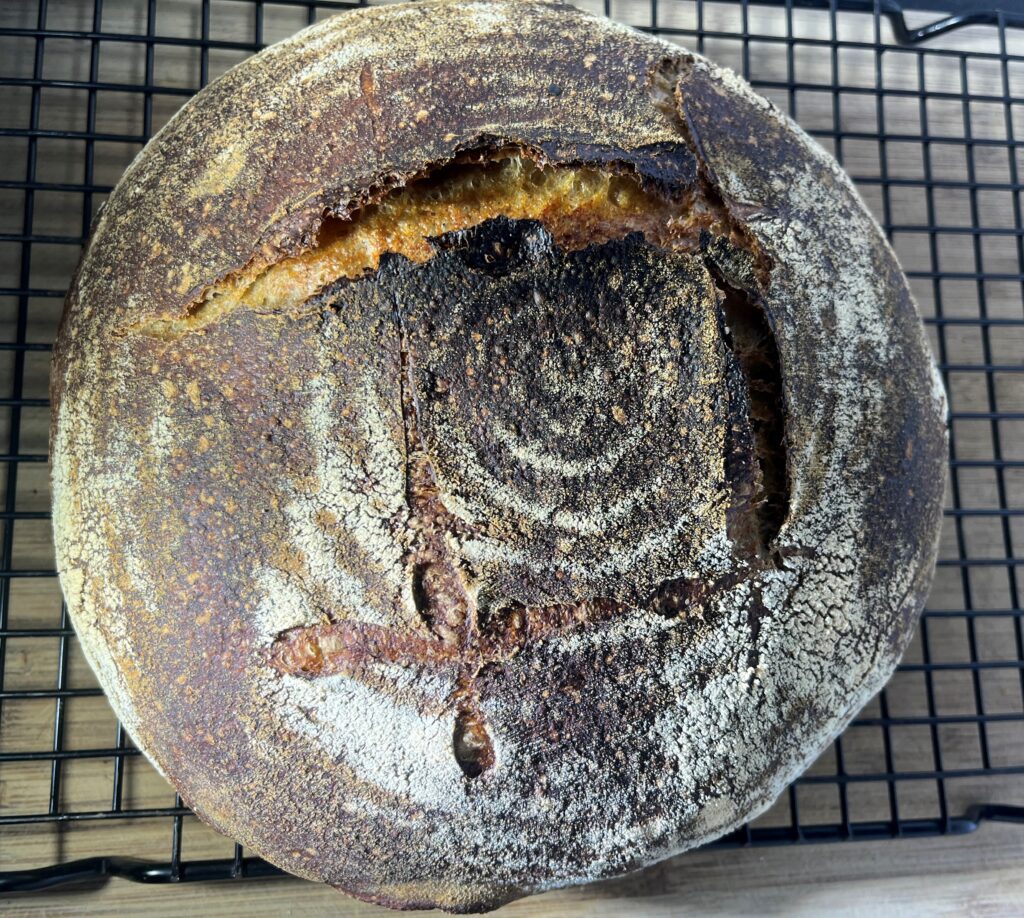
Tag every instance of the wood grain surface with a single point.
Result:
(956, 272)
(939, 876)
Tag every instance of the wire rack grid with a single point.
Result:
(926, 110)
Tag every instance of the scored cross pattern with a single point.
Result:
(932, 133)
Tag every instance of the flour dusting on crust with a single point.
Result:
(483, 703)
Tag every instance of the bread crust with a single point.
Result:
(209, 493)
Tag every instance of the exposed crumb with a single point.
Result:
(579, 205)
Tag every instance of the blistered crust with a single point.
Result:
(214, 491)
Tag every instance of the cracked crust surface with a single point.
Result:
(344, 593)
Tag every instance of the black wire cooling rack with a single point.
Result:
(925, 109)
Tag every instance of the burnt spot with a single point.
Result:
(580, 412)
(498, 246)
(584, 385)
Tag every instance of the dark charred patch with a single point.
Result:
(567, 353)
(731, 263)
(497, 246)
(760, 491)
(504, 308)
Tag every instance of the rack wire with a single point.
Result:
(926, 110)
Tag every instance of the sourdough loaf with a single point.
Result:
(492, 450)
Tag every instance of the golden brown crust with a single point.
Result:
(417, 631)
(578, 205)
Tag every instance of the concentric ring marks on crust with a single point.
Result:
(488, 571)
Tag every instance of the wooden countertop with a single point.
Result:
(979, 875)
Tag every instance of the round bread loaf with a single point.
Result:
(492, 450)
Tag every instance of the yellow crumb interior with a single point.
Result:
(578, 205)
